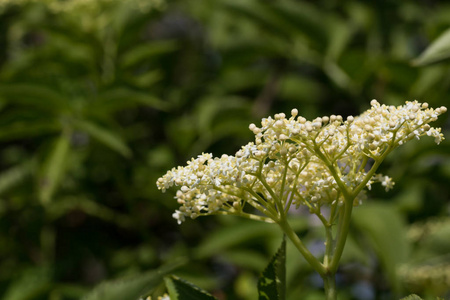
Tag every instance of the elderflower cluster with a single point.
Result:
(294, 161)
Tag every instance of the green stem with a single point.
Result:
(329, 281)
(290, 233)
(342, 233)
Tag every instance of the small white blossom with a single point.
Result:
(298, 162)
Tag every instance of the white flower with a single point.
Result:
(298, 162)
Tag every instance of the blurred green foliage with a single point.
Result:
(99, 98)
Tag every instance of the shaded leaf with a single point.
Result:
(182, 290)
(146, 79)
(144, 52)
(20, 130)
(66, 204)
(304, 19)
(30, 285)
(384, 228)
(36, 95)
(438, 51)
(14, 176)
(272, 281)
(263, 16)
(119, 98)
(226, 237)
(248, 259)
(104, 136)
(54, 167)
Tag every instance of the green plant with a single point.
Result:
(324, 164)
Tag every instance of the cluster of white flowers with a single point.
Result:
(298, 162)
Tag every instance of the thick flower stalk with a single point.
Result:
(327, 162)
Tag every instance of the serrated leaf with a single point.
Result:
(104, 136)
(134, 287)
(272, 281)
(438, 51)
(54, 167)
(180, 289)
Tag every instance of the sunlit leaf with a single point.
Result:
(182, 290)
(438, 51)
(428, 79)
(412, 297)
(339, 37)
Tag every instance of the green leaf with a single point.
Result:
(54, 168)
(14, 175)
(24, 130)
(32, 284)
(67, 204)
(340, 34)
(438, 51)
(305, 19)
(261, 15)
(226, 237)
(134, 287)
(385, 229)
(272, 281)
(35, 95)
(104, 136)
(182, 290)
(144, 52)
(428, 80)
(120, 98)
(412, 297)
(247, 259)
